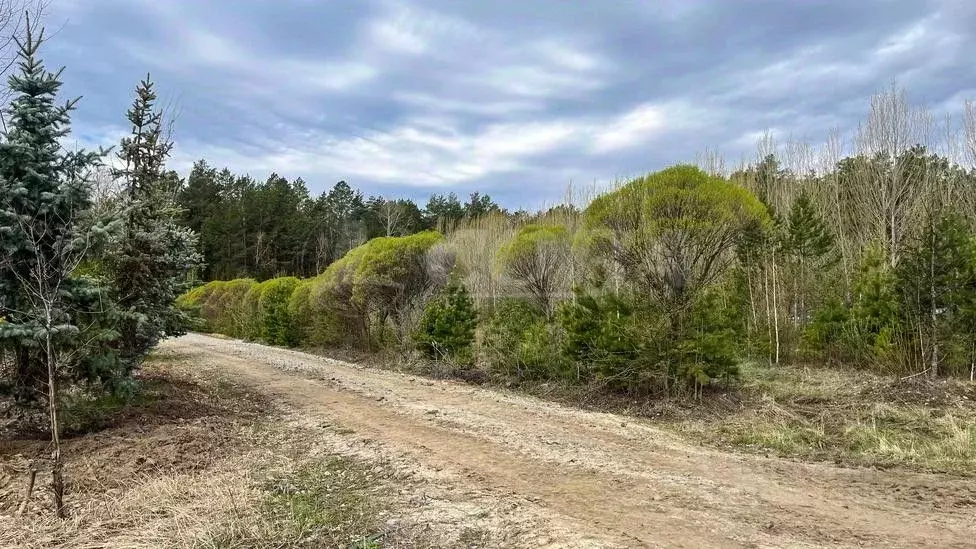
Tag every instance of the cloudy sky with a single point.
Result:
(516, 98)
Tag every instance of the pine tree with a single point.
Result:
(448, 324)
(936, 283)
(46, 232)
(807, 233)
(809, 245)
(151, 259)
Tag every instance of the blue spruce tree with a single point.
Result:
(47, 231)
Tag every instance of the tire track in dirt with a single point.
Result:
(609, 478)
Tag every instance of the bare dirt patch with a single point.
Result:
(176, 425)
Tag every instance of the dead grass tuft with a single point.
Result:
(849, 417)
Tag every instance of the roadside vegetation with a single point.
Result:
(820, 289)
(847, 417)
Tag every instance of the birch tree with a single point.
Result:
(889, 190)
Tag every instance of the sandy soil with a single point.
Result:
(533, 473)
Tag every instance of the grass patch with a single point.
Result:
(197, 460)
(332, 503)
(328, 502)
(849, 417)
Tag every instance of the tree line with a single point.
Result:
(258, 229)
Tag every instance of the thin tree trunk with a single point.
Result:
(775, 310)
(801, 294)
(57, 477)
(769, 319)
(933, 312)
(752, 298)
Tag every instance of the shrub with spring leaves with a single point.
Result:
(275, 319)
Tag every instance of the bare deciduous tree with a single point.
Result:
(969, 125)
(392, 214)
(889, 191)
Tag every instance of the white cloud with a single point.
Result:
(410, 155)
(567, 56)
(905, 41)
(647, 122)
(629, 129)
(431, 102)
(404, 28)
(434, 151)
(420, 93)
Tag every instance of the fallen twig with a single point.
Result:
(916, 374)
(31, 477)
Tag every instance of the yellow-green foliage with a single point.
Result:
(332, 317)
(192, 300)
(538, 258)
(673, 230)
(246, 309)
(680, 196)
(300, 311)
(391, 269)
(250, 313)
(530, 238)
(276, 326)
(232, 316)
(220, 305)
(361, 291)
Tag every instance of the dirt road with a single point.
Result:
(542, 475)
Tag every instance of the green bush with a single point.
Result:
(221, 306)
(209, 299)
(600, 338)
(273, 306)
(633, 349)
(448, 324)
(707, 350)
(236, 313)
(538, 258)
(250, 311)
(300, 312)
(829, 334)
(518, 342)
(354, 300)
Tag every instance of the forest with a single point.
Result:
(857, 253)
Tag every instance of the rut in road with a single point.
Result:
(586, 479)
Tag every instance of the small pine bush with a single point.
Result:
(519, 343)
(448, 325)
(600, 337)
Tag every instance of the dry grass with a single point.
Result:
(848, 417)
(198, 463)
